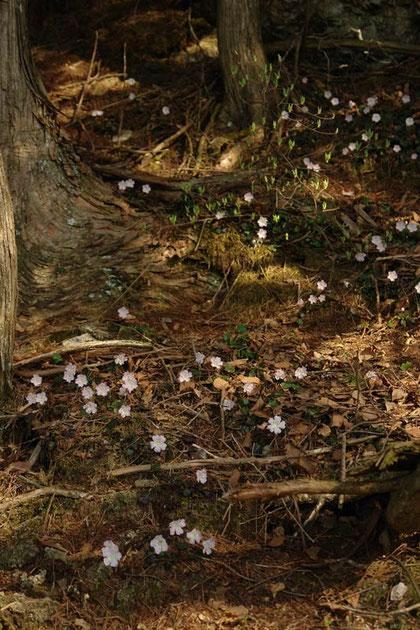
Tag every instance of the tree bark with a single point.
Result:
(62, 214)
(242, 59)
(8, 283)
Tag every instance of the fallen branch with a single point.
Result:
(366, 44)
(269, 491)
(38, 494)
(80, 347)
(225, 461)
(164, 144)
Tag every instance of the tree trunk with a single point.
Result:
(242, 59)
(62, 214)
(8, 283)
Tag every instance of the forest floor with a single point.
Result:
(263, 263)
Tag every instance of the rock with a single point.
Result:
(17, 555)
(18, 612)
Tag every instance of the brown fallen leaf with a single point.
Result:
(220, 383)
(234, 478)
(398, 394)
(276, 587)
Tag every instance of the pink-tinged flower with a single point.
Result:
(262, 233)
(352, 104)
(371, 375)
(146, 189)
(321, 285)
(91, 408)
(123, 312)
(176, 528)
(321, 298)
(36, 380)
(122, 185)
(208, 546)
(280, 375)
(406, 98)
(284, 115)
(69, 372)
(158, 443)
(352, 146)
(409, 121)
(129, 381)
(31, 398)
(248, 388)
(111, 554)
(365, 137)
(102, 389)
(327, 94)
(413, 156)
(220, 215)
(412, 226)
(345, 151)
(396, 148)
(199, 357)
(312, 299)
(194, 536)
(276, 425)
(216, 362)
(124, 411)
(201, 476)
(184, 376)
(371, 101)
(377, 241)
(165, 110)
(366, 110)
(87, 392)
(348, 118)
(392, 276)
(159, 544)
(376, 118)
(130, 81)
(301, 372)
(400, 226)
(304, 79)
(81, 380)
(262, 222)
(248, 197)
(334, 101)
(360, 256)
(130, 183)
(120, 359)
(228, 405)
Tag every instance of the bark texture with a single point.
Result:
(8, 283)
(242, 59)
(62, 214)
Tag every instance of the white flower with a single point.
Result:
(122, 391)
(111, 554)
(280, 375)
(123, 312)
(124, 411)
(129, 381)
(216, 362)
(346, 283)
(201, 475)
(199, 357)
(184, 376)
(321, 285)
(87, 392)
(334, 101)
(409, 121)
(412, 226)
(228, 405)
(371, 101)
(352, 104)
(81, 380)
(130, 81)
(36, 380)
(31, 398)
(130, 183)
(248, 197)
(159, 544)
(301, 372)
(90, 407)
(304, 79)
(122, 185)
(392, 275)
(406, 98)
(360, 256)
(220, 214)
(413, 156)
(262, 222)
(276, 425)
(146, 189)
(371, 375)
(300, 302)
(398, 591)
(208, 546)
(158, 443)
(316, 167)
(131, 96)
(96, 112)
(376, 118)
(366, 110)
(396, 148)
(327, 94)
(400, 226)
(365, 137)
(248, 388)
(69, 372)
(345, 151)
(194, 536)
(284, 115)
(312, 299)
(102, 389)
(321, 298)
(352, 146)
(262, 233)
(165, 110)
(176, 528)
(376, 240)
(417, 287)
(120, 359)
(348, 118)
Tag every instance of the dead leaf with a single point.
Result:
(324, 430)
(398, 394)
(278, 537)
(234, 478)
(297, 458)
(313, 552)
(413, 431)
(247, 441)
(276, 587)
(249, 379)
(220, 383)
(338, 420)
